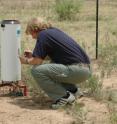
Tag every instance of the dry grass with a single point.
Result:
(82, 29)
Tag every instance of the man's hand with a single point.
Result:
(28, 53)
(23, 60)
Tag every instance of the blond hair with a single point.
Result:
(36, 25)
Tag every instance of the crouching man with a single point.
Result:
(70, 63)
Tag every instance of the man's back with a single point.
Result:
(61, 48)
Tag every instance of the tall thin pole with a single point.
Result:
(97, 17)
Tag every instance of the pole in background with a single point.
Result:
(97, 18)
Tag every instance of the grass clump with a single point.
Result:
(108, 58)
(94, 87)
(67, 9)
(112, 112)
(78, 112)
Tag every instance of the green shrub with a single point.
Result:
(67, 9)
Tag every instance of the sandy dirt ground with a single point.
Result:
(23, 110)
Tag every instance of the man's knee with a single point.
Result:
(38, 70)
(33, 71)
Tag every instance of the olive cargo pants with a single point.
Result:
(51, 76)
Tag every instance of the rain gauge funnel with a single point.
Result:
(10, 33)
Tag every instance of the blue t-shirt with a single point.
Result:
(61, 48)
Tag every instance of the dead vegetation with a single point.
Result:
(99, 106)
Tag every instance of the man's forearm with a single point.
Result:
(34, 61)
(31, 61)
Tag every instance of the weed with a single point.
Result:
(113, 113)
(108, 58)
(94, 87)
(78, 112)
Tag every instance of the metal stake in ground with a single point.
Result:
(97, 17)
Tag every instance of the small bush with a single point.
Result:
(67, 9)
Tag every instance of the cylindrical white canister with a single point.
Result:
(10, 34)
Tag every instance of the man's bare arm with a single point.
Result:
(31, 61)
